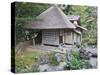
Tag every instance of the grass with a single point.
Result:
(24, 61)
(28, 61)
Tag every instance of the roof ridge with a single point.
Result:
(64, 16)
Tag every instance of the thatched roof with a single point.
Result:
(78, 26)
(77, 31)
(52, 18)
(73, 17)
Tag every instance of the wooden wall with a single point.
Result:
(71, 37)
(77, 38)
(50, 37)
(68, 38)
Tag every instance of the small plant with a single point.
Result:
(33, 68)
(52, 60)
(75, 62)
(75, 54)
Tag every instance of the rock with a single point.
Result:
(58, 57)
(85, 54)
(55, 68)
(52, 68)
(43, 68)
(89, 54)
(43, 60)
(68, 57)
(60, 48)
(48, 68)
(93, 62)
(59, 68)
(94, 55)
(62, 64)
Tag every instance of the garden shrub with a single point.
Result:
(52, 59)
(90, 40)
(76, 62)
(75, 54)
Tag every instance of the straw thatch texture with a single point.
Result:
(52, 18)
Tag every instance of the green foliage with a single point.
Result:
(24, 13)
(29, 10)
(52, 60)
(90, 40)
(20, 32)
(74, 54)
(88, 18)
(75, 62)
(33, 68)
(26, 61)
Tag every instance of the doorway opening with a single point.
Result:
(38, 39)
(60, 39)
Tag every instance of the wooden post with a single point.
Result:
(34, 36)
(81, 39)
(33, 41)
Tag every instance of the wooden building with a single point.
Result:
(57, 28)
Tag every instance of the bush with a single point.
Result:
(90, 40)
(74, 54)
(75, 62)
(52, 60)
